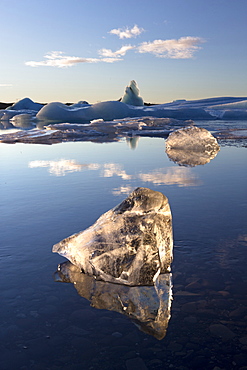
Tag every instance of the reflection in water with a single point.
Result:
(174, 176)
(23, 120)
(123, 190)
(132, 141)
(190, 158)
(63, 166)
(180, 176)
(111, 169)
(147, 306)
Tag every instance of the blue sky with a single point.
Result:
(57, 50)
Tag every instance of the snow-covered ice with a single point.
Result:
(131, 105)
(26, 114)
(131, 244)
(131, 95)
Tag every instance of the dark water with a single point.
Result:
(51, 192)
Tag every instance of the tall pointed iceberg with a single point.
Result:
(131, 95)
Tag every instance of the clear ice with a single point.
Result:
(131, 244)
(191, 146)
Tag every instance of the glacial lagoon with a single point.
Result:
(52, 191)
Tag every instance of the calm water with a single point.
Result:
(51, 192)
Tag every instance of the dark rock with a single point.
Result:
(136, 363)
(221, 331)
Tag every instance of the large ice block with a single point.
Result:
(131, 244)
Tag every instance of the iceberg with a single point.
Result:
(191, 146)
(131, 106)
(130, 244)
(147, 306)
(131, 95)
(26, 104)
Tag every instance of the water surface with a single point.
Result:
(51, 192)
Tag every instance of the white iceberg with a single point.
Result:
(26, 104)
(131, 95)
(131, 244)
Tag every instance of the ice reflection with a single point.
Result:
(190, 158)
(147, 306)
(181, 176)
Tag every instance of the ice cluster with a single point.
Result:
(131, 105)
(131, 244)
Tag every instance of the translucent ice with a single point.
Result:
(131, 95)
(191, 146)
(130, 244)
(148, 306)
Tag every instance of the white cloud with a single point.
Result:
(127, 33)
(182, 48)
(6, 85)
(116, 54)
(58, 59)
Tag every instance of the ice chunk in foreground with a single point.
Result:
(131, 95)
(147, 306)
(130, 244)
(191, 146)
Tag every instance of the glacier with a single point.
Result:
(130, 244)
(148, 307)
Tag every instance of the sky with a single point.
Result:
(73, 50)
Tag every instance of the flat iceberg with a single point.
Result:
(131, 244)
(191, 146)
(147, 306)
